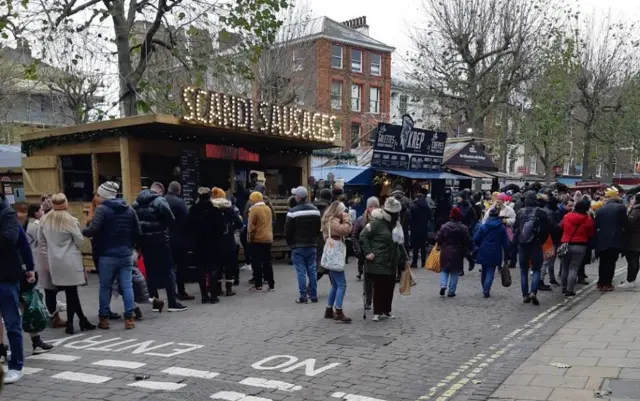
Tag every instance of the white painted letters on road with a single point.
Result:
(260, 364)
(310, 367)
(291, 363)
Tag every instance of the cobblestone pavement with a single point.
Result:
(263, 346)
(594, 356)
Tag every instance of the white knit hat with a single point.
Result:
(108, 190)
(392, 205)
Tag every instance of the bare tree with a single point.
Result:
(473, 53)
(253, 21)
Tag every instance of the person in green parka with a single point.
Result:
(380, 241)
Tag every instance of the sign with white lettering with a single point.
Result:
(403, 147)
(227, 111)
(472, 155)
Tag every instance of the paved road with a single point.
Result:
(261, 347)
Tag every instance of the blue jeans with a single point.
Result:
(451, 278)
(110, 268)
(338, 289)
(530, 253)
(486, 277)
(10, 309)
(304, 260)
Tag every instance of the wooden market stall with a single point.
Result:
(215, 146)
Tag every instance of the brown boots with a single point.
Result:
(129, 323)
(57, 322)
(340, 316)
(328, 313)
(103, 323)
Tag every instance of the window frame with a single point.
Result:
(534, 159)
(361, 62)
(377, 100)
(371, 57)
(341, 58)
(359, 109)
(298, 62)
(359, 125)
(400, 104)
(341, 83)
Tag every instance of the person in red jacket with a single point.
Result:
(577, 230)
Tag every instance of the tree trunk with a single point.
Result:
(125, 70)
(586, 150)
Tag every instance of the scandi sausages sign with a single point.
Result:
(227, 111)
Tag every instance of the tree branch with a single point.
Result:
(68, 10)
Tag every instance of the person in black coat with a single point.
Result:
(178, 235)
(611, 232)
(420, 218)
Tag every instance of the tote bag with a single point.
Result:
(333, 254)
(433, 261)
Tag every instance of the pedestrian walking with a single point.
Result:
(633, 248)
(381, 242)
(336, 225)
(405, 223)
(611, 233)
(531, 231)
(454, 242)
(155, 218)
(178, 235)
(470, 219)
(555, 234)
(577, 229)
(421, 215)
(492, 242)
(117, 230)
(260, 236)
(59, 233)
(373, 203)
(301, 229)
(322, 203)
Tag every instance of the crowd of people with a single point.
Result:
(531, 228)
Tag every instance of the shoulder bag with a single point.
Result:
(563, 249)
(333, 254)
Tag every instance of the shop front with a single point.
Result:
(220, 142)
(466, 157)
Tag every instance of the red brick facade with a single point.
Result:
(326, 74)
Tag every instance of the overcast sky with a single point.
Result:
(391, 25)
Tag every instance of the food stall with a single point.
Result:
(219, 141)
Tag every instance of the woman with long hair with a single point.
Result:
(60, 235)
(337, 225)
(381, 242)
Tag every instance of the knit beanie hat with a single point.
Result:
(217, 193)
(456, 214)
(256, 197)
(392, 205)
(108, 190)
(373, 201)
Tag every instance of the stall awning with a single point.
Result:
(500, 174)
(424, 175)
(470, 172)
(352, 175)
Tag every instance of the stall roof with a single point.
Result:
(10, 156)
(425, 175)
(352, 175)
(470, 172)
(166, 127)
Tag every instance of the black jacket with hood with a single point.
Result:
(531, 202)
(178, 230)
(420, 218)
(10, 262)
(212, 224)
(302, 226)
(155, 217)
(115, 229)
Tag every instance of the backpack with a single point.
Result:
(529, 229)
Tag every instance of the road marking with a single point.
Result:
(233, 396)
(353, 397)
(54, 357)
(292, 364)
(112, 363)
(81, 377)
(203, 374)
(518, 334)
(151, 385)
(264, 383)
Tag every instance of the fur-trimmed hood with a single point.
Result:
(221, 203)
(380, 214)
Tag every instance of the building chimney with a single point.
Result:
(23, 46)
(359, 24)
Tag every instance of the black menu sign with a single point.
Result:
(189, 175)
(403, 147)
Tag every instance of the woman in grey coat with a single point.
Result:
(61, 238)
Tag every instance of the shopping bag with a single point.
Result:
(35, 315)
(505, 275)
(140, 290)
(433, 261)
(510, 233)
(406, 281)
(547, 248)
(333, 254)
(141, 267)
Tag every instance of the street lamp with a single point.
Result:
(469, 130)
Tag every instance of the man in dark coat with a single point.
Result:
(420, 218)
(611, 232)
(469, 219)
(530, 231)
(155, 218)
(178, 235)
(633, 248)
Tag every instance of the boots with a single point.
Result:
(229, 288)
(340, 316)
(129, 323)
(103, 323)
(57, 322)
(85, 325)
(137, 312)
(328, 313)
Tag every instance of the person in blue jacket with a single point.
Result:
(490, 239)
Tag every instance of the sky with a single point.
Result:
(392, 25)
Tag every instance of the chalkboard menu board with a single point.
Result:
(189, 175)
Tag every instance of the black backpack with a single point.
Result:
(529, 229)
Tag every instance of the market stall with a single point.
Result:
(219, 141)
